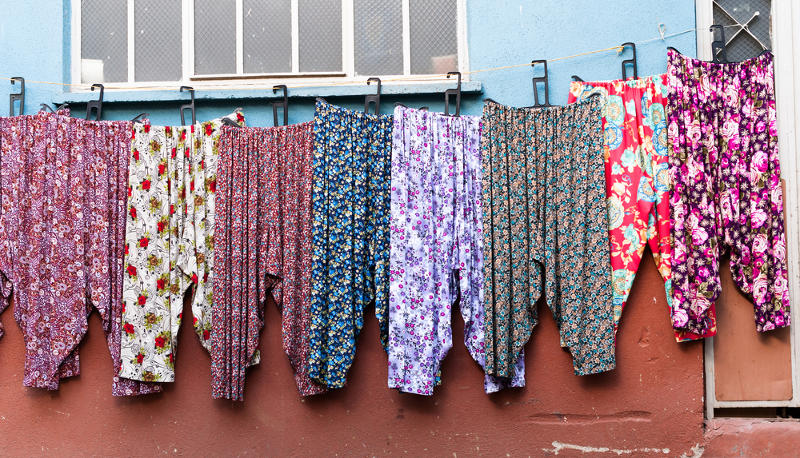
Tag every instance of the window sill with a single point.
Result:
(145, 95)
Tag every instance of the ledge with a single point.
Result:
(145, 95)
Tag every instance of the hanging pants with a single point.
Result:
(637, 178)
(61, 238)
(436, 241)
(350, 235)
(727, 194)
(263, 245)
(546, 232)
(168, 241)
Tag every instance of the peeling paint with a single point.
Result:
(697, 452)
(559, 446)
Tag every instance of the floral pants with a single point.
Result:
(637, 178)
(263, 245)
(61, 238)
(726, 194)
(350, 235)
(168, 243)
(546, 232)
(436, 247)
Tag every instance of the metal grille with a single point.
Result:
(157, 41)
(378, 37)
(214, 36)
(104, 41)
(747, 31)
(434, 39)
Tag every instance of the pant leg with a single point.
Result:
(577, 264)
(149, 286)
(751, 206)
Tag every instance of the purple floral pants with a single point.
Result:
(726, 194)
(62, 233)
(436, 253)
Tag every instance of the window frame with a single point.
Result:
(262, 80)
(786, 48)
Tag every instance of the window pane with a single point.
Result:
(747, 43)
(267, 36)
(214, 36)
(157, 41)
(320, 29)
(378, 37)
(434, 40)
(104, 41)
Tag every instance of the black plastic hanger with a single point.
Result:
(373, 98)
(454, 92)
(281, 104)
(20, 96)
(140, 117)
(631, 61)
(96, 105)
(719, 53)
(46, 107)
(188, 106)
(541, 79)
(577, 78)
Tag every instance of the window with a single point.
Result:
(146, 42)
(744, 369)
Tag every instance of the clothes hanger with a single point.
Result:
(631, 61)
(188, 106)
(20, 96)
(540, 79)
(140, 117)
(719, 53)
(96, 105)
(454, 92)
(373, 98)
(281, 104)
(577, 78)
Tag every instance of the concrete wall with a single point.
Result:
(651, 404)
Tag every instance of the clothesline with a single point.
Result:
(409, 78)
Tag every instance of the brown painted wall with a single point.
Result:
(653, 400)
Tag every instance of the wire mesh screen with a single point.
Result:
(382, 31)
(214, 36)
(434, 36)
(320, 34)
(157, 40)
(378, 37)
(267, 40)
(104, 41)
(750, 31)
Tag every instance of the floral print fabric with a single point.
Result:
(263, 229)
(169, 242)
(637, 178)
(61, 238)
(435, 246)
(546, 232)
(350, 239)
(726, 194)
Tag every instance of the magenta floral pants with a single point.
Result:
(726, 194)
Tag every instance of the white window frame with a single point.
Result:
(786, 48)
(257, 81)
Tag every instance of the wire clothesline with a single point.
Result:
(404, 78)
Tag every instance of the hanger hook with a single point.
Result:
(281, 104)
(631, 61)
(96, 105)
(188, 106)
(541, 79)
(454, 92)
(20, 96)
(373, 98)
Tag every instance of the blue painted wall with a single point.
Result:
(34, 38)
